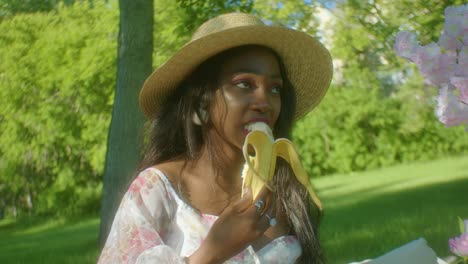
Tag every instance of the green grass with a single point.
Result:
(366, 215)
(371, 213)
(52, 241)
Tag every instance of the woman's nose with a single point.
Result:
(261, 101)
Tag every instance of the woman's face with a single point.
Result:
(248, 91)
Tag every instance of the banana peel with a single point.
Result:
(260, 168)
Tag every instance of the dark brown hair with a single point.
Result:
(174, 136)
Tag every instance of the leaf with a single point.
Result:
(460, 223)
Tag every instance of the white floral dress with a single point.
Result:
(154, 225)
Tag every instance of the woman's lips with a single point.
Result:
(259, 119)
(253, 125)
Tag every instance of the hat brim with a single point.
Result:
(308, 64)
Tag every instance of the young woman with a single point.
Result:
(186, 206)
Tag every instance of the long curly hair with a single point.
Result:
(174, 136)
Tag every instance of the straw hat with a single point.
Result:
(308, 63)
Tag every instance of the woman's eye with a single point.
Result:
(243, 85)
(276, 89)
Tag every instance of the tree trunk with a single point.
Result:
(125, 133)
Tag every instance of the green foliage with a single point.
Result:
(175, 21)
(368, 28)
(364, 36)
(56, 87)
(197, 12)
(378, 111)
(461, 225)
(10, 8)
(359, 129)
(294, 14)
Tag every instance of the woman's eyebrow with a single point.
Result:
(241, 71)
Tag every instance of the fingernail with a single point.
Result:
(247, 190)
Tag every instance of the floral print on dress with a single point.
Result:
(154, 225)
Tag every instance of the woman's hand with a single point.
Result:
(237, 226)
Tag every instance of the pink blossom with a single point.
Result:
(444, 64)
(459, 245)
(435, 66)
(455, 27)
(405, 44)
(450, 110)
(448, 42)
(456, 23)
(461, 83)
(462, 66)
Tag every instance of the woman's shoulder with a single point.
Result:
(153, 188)
(159, 177)
(166, 175)
(149, 179)
(171, 170)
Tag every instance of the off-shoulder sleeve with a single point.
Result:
(141, 221)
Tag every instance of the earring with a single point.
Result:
(197, 120)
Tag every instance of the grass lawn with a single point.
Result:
(366, 215)
(53, 241)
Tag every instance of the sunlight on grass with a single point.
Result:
(42, 227)
(340, 190)
(55, 241)
(368, 214)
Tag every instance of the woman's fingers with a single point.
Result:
(261, 202)
(240, 224)
(244, 203)
(256, 207)
(262, 210)
(268, 217)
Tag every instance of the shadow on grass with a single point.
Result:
(386, 221)
(66, 243)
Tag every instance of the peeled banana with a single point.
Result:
(259, 169)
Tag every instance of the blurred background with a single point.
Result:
(387, 171)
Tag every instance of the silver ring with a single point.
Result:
(271, 221)
(260, 204)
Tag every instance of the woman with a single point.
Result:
(186, 206)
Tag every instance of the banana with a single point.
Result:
(259, 169)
